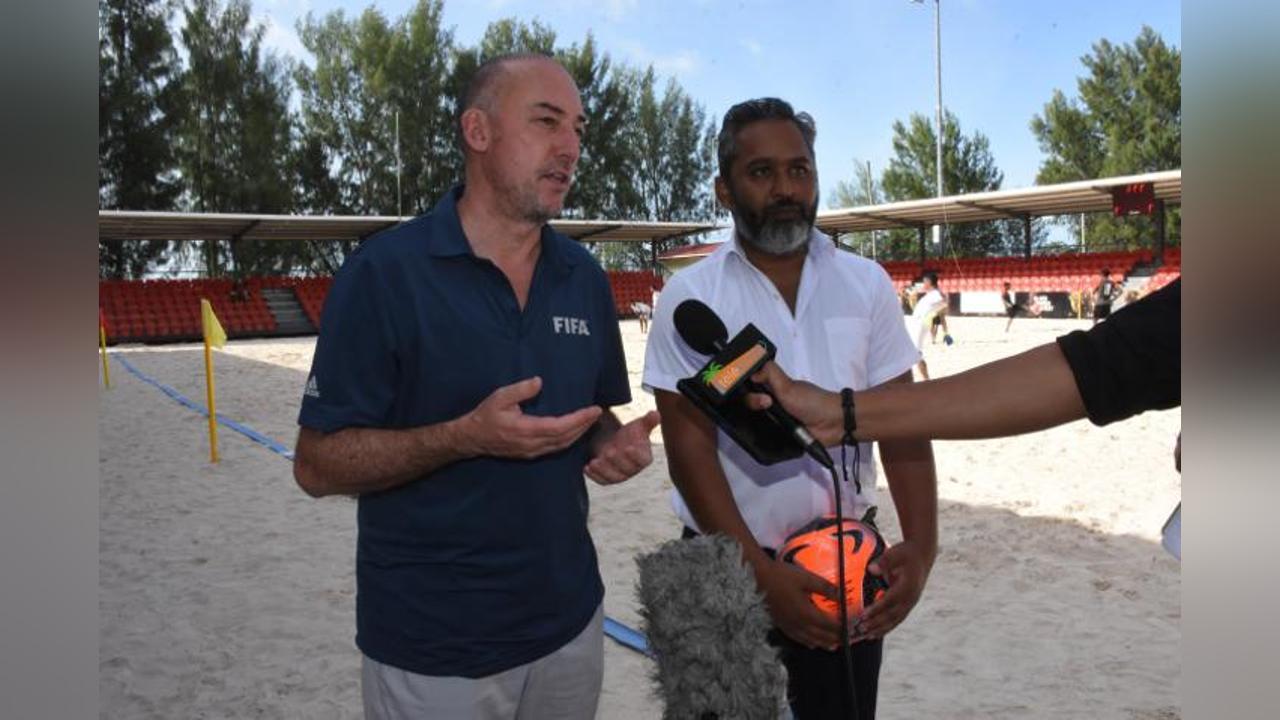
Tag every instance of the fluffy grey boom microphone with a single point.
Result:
(706, 623)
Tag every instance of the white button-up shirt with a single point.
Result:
(847, 331)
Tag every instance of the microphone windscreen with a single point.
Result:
(700, 327)
(707, 625)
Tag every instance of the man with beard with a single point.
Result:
(459, 389)
(837, 323)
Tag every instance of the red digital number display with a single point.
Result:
(1134, 199)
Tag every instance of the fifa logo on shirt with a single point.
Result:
(569, 326)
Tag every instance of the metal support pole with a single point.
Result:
(871, 200)
(923, 255)
(399, 195)
(1160, 230)
(1026, 236)
(937, 34)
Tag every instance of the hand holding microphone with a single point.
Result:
(818, 409)
(728, 376)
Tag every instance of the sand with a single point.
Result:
(225, 592)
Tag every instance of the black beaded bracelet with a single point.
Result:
(850, 424)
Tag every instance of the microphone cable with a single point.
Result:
(851, 691)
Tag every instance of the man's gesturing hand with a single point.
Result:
(625, 453)
(499, 428)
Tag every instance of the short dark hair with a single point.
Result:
(479, 92)
(932, 277)
(753, 111)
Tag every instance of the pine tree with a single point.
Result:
(1127, 120)
(137, 100)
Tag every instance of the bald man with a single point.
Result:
(460, 390)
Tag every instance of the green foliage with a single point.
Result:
(864, 189)
(235, 131)
(606, 179)
(509, 36)
(967, 167)
(669, 149)
(219, 134)
(416, 84)
(1126, 120)
(347, 108)
(137, 113)
(966, 161)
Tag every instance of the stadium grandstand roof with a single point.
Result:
(137, 225)
(1062, 199)
(690, 251)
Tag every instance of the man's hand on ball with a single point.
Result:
(786, 591)
(905, 567)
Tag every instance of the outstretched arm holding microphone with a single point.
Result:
(1127, 365)
(1031, 391)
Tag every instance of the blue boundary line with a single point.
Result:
(626, 636)
(622, 634)
(248, 432)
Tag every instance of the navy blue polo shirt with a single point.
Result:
(484, 564)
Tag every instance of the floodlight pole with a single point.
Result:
(937, 38)
(871, 200)
(399, 195)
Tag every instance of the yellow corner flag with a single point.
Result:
(102, 346)
(214, 336)
(213, 333)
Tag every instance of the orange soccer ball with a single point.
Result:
(814, 547)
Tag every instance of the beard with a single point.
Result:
(528, 206)
(522, 200)
(520, 196)
(778, 229)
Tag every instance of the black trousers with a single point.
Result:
(816, 688)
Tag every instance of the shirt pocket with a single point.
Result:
(848, 345)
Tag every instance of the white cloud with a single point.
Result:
(291, 7)
(681, 62)
(684, 62)
(611, 10)
(283, 39)
(616, 9)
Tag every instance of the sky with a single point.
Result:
(856, 66)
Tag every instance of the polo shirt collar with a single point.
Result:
(448, 239)
(556, 251)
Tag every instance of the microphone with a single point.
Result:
(708, 627)
(704, 332)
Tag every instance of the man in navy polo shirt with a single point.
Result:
(459, 389)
